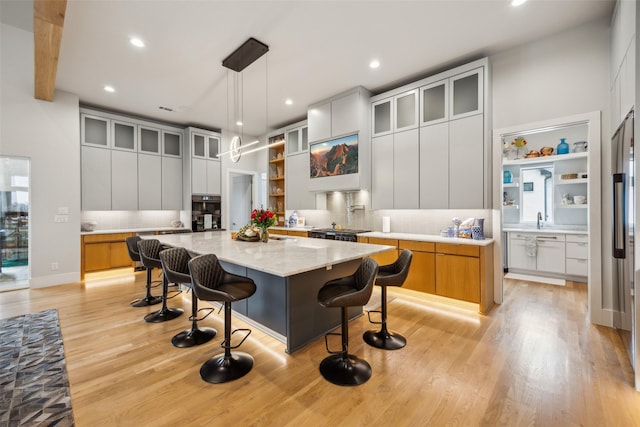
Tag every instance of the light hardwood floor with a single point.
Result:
(534, 360)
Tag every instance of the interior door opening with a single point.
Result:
(14, 223)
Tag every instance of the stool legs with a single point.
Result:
(227, 366)
(193, 336)
(344, 368)
(384, 339)
(148, 299)
(164, 313)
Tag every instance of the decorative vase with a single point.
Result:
(264, 235)
(477, 231)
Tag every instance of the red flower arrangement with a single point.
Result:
(263, 218)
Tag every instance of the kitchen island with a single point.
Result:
(288, 273)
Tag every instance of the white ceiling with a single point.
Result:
(317, 49)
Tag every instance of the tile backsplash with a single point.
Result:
(116, 220)
(353, 210)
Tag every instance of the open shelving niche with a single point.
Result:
(563, 164)
(277, 176)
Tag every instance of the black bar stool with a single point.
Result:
(176, 269)
(342, 368)
(212, 283)
(150, 256)
(132, 248)
(389, 275)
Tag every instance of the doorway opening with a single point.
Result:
(14, 223)
(247, 190)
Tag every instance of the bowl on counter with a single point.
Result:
(579, 200)
(88, 225)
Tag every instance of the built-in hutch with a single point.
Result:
(430, 145)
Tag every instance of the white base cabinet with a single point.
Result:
(555, 253)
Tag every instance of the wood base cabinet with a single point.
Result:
(465, 272)
(101, 252)
(382, 258)
(422, 273)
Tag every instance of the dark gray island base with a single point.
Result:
(288, 274)
(288, 307)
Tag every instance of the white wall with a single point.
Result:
(255, 162)
(48, 134)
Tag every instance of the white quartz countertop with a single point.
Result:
(547, 230)
(279, 227)
(134, 230)
(427, 238)
(285, 257)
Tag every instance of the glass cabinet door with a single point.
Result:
(171, 144)
(95, 130)
(293, 141)
(382, 112)
(198, 145)
(214, 147)
(406, 110)
(466, 94)
(148, 140)
(304, 143)
(124, 136)
(434, 102)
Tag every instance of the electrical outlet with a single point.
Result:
(54, 265)
(63, 210)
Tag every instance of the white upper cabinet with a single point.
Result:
(123, 163)
(439, 147)
(148, 140)
(124, 136)
(297, 139)
(345, 114)
(406, 111)
(319, 117)
(95, 131)
(434, 103)
(342, 115)
(205, 163)
(382, 117)
(466, 94)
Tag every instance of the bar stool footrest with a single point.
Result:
(373, 322)
(231, 347)
(326, 343)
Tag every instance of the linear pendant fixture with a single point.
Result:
(245, 55)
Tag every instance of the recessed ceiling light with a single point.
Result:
(109, 88)
(374, 64)
(238, 123)
(288, 101)
(517, 2)
(136, 42)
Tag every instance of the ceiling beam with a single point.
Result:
(48, 21)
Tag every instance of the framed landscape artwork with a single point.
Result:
(338, 156)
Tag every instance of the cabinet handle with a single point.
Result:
(439, 254)
(546, 237)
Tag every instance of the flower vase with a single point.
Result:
(477, 231)
(264, 235)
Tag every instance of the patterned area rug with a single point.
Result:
(34, 387)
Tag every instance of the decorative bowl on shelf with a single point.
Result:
(569, 176)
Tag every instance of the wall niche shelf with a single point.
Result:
(546, 159)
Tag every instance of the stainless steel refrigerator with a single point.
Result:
(624, 305)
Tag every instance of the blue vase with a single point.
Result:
(563, 147)
(507, 177)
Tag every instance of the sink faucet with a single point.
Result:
(539, 225)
